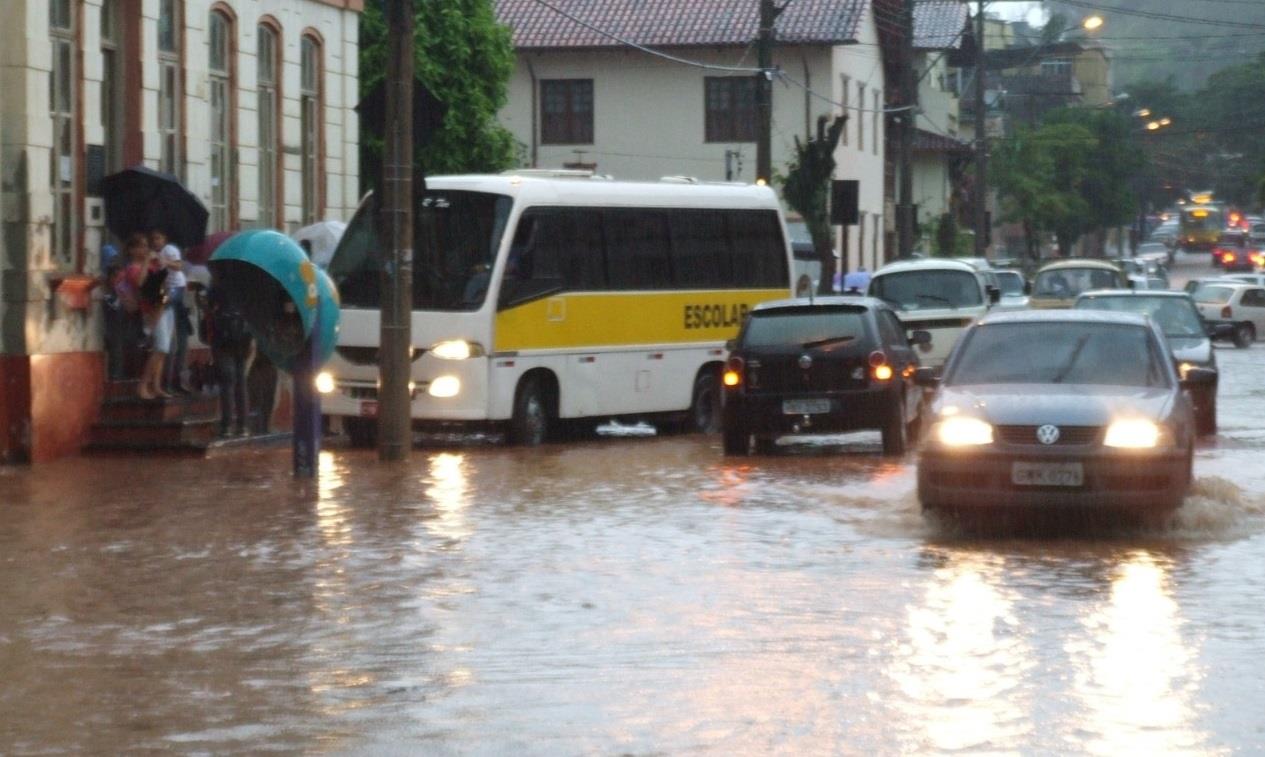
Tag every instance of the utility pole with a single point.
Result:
(981, 140)
(395, 435)
(908, 125)
(764, 91)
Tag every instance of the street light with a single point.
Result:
(1092, 23)
(1142, 113)
(1153, 126)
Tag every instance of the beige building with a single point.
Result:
(579, 97)
(248, 101)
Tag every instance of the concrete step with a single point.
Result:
(192, 434)
(136, 409)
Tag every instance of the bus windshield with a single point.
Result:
(455, 240)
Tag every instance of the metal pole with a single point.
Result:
(908, 125)
(394, 398)
(764, 92)
(981, 141)
(306, 446)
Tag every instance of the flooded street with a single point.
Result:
(624, 595)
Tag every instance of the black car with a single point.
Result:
(823, 365)
(1189, 337)
(1060, 411)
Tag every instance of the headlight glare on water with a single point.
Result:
(1133, 433)
(964, 431)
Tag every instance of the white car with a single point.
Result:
(1256, 232)
(1248, 278)
(942, 296)
(1234, 308)
(1014, 290)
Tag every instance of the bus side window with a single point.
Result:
(701, 255)
(637, 249)
(759, 251)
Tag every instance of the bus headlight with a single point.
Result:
(324, 382)
(456, 349)
(1136, 433)
(445, 386)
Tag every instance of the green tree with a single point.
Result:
(463, 56)
(806, 188)
(1038, 175)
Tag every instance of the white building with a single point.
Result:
(248, 101)
(579, 97)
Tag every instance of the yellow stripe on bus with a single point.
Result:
(607, 319)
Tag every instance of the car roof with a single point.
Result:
(1133, 293)
(1066, 316)
(926, 264)
(1060, 265)
(866, 303)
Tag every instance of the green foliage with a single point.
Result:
(946, 235)
(806, 187)
(465, 57)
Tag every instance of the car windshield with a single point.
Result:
(1069, 282)
(1176, 316)
(800, 327)
(1010, 282)
(456, 236)
(1104, 354)
(928, 290)
(1213, 295)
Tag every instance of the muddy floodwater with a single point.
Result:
(629, 594)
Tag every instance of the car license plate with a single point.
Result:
(369, 409)
(805, 407)
(1047, 474)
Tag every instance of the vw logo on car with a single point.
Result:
(1048, 434)
(805, 361)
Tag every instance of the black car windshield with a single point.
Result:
(1176, 316)
(800, 327)
(928, 290)
(1069, 282)
(1096, 354)
(456, 237)
(1011, 282)
(1213, 295)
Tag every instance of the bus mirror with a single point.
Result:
(994, 294)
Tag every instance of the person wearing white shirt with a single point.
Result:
(170, 258)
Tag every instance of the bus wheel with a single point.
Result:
(705, 403)
(361, 432)
(530, 424)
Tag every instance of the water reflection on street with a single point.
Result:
(639, 595)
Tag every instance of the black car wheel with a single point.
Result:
(530, 424)
(895, 429)
(1244, 335)
(361, 432)
(1206, 415)
(736, 440)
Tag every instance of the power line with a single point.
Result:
(1160, 16)
(783, 76)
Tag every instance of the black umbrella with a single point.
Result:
(139, 199)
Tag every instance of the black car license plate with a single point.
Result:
(805, 407)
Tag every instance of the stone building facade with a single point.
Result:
(250, 102)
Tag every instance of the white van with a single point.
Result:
(942, 296)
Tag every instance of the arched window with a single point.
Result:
(63, 90)
(220, 64)
(171, 86)
(312, 115)
(268, 87)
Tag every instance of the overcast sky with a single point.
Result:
(1030, 11)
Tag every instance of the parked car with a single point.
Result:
(1189, 338)
(1057, 412)
(821, 365)
(1058, 284)
(941, 296)
(1238, 308)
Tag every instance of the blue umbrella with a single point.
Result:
(279, 290)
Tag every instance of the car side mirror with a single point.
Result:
(926, 378)
(919, 337)
(1027, 287)
(994, 294)
(1223, 331)
(1199, 377)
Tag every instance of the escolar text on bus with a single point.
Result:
(715, 315)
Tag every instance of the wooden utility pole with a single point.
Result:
(981, 139)
(395, 435)
(764, 91)
(908, 125)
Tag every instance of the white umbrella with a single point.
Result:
(321, 238)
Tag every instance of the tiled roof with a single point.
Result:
(938, 24)
(675, 23)
(928, 141)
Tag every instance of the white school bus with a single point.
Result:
(546, 303)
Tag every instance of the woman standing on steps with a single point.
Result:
(147, 276)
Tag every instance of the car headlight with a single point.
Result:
(964, 431)
(456, 349)
(324, 382)
(1135, 433)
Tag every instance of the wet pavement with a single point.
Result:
(628, 594)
